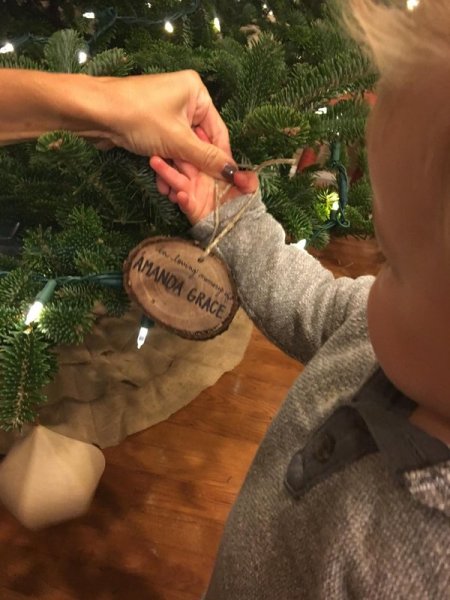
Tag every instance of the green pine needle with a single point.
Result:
(112, 63)
(64, 323)
(61, 51)
(26, 366)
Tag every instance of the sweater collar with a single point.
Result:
(420, 462)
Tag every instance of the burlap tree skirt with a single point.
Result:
(106, 389)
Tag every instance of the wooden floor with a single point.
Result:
(154, 526)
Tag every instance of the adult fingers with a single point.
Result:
(208, 158)
(202, 135)
(215, 128)
(186, 168)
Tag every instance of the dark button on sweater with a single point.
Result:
(344, 437)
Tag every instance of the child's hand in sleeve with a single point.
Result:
(193, 190)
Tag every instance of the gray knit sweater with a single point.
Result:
(345, 499)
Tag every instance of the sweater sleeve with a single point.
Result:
(296, 302)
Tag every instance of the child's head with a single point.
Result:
(409, 158)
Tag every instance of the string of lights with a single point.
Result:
(114, 279)
(105, 19)
(108, 17)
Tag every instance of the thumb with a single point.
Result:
(209, 158)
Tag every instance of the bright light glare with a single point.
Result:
(82, 57)
(168, 27)
(34, 313)
(8, 47)
(216, 24)
(143, 333)
(89, 15)
(412, 4)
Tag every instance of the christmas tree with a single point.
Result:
(289, 84)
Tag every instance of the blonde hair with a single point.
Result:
(409, 48)
(399, 39)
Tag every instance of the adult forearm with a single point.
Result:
(145, 114)
(34, 102)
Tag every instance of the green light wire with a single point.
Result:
(107, 17)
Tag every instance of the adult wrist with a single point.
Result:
(88, 109)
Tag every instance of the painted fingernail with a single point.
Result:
(228, 172)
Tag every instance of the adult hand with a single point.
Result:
(146, 114)
(157, 114)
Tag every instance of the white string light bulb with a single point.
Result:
(168, 27)
(216, 23)
(143, 333)
(8, 47)
(146, 325)
(34, 314)
(335, 205)
(44, 296)
(89, 15)
(412, 4)
(82, 57)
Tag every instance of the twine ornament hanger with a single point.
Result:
(218, 197)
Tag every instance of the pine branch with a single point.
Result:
(263, 73)
(63, 323)
(110, 63)
(280, 130)
(17, 287)
(17, 61)
(313, 86)
(26, 366)
(38, 254)
(64, 150)
(61, 51)
(345, 120)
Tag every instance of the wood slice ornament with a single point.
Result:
(180, 287)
